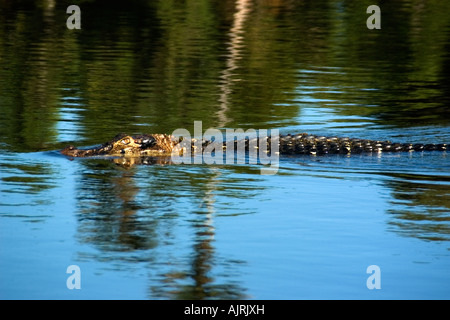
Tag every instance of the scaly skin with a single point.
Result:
(164, 145)
(132, 146)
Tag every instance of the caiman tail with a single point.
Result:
(310, 144)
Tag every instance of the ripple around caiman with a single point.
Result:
(303, 143)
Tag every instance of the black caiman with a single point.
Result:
(303, 143)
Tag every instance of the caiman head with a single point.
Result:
(132, 146)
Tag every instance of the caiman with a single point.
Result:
(164, 145)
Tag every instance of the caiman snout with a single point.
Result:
(126, 145)
(70, 151)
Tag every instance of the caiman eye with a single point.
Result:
(126, 141)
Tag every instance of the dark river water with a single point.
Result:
(199, 231)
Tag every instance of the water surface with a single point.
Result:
(166, 231)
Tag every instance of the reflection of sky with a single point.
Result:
(317, 102)
(325, 105)
(69, 114)
(316, 119)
